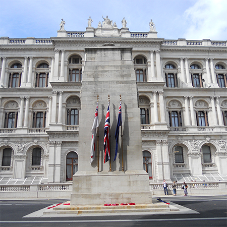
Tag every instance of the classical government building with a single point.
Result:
(174, 104)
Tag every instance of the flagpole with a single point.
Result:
(122, 158)
(109, 135)
(98, 137)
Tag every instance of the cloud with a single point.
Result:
(207, 19)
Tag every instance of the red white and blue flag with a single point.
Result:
(119, 122)
(106, 136)
(93, 131)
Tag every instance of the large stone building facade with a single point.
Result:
(180, 101)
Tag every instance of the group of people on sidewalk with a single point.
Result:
(174, 187)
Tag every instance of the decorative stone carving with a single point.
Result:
(39, 105)
(222, 144)
(107, 23)
(195, 144)
(224, 104)
(11, 105)
(174, 104)
(201, 104)
(144, 100)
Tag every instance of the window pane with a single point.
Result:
(171, 80)
(206, 154)
(36, 156)
(174, 119)
(139, 75)
(11, 120)
(221, 80)
(196, 80)
(179, 158)
(6, 159)
(143, 115)
(147, 164)
(74, 117)
(201, 118)
(225, 117)
(15, 80)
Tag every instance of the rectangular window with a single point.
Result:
(225, 117)
(144, 116)
(39, 119)
(175, 119)
(179, 158)
(202, 118)
(6, 158)
(36, 156)
(75, 75)
(14, 80)
(221, 80)
(73, 117)
(197, 80)
(140, 75)
(10, 120)
(41, 80)
(171, 80)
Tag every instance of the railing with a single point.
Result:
(179, 165)
(17, 41)
(139, 35)
(7, 130)
(170, 43)
(146, 126)
(218, 43)
(208, 165)
(6, 168)
(75, 34)
(72, 127)
(60, 187)
(37, 168)
(37, 130)
(206, 129)
(43, 41)
(178, 129)
(11, 188)
(195, 43)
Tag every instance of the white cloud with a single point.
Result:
(207, 19)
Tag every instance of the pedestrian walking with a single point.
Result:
(165, 186)
(174, 188)
(185, 187)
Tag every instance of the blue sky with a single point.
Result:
(190, 19)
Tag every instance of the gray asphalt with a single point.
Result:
(210, 211)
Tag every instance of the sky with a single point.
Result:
(173, 19)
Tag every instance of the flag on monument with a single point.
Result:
(93, 131)
(106, 136)
(119, 122)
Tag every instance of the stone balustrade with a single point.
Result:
(139, 35)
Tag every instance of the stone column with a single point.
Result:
(214, 116)
(155, 107)
(152, 66)
(26, 112)
(51, 169)
(182, 77)
(162, 109)
(165, 158)
(214, 79)
(186, 112)
(160, 175)
(24, 76)
(49, 114)
(194, 159)
(62, 64)
(158, 65)
(20, 118)
(56, 64)
(220, 118)
(30, 72)
(151, 113)
(187, 72)
(208, 71)
(3, 72)
(60, 108)
(54, 107)
(57, 162)
(51, 72)
(1, 113)
(192, 111)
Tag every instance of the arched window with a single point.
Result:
(174, 111)
(171, 75)
(147, 163)
(6, 157)
(170, 66)
(71, 165)
(196, 74)
(202, 118)
(11, 114)
(36, 156)
(221, 74)
(75, 69)
(39, 114)
(206, 154)
(195, 66)
(179, 157)
(72, 108)
(140, 65)
(42, 75)
(15, 72)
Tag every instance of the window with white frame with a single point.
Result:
(140, 65)
(39, 109)
(196, 75)
(206, 151)
(144, 105)
(179, 155)
(6, 156)
(11, 114)
(221, 74)
(15, 72)
(72, 110)
(171, 75)
(42, 75)
(147, 163)
(75, 69)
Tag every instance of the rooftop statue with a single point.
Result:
(124, 23)
(89, 22)
(107, 23)
(62, 25)
(152, 26)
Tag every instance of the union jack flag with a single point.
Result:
(106, 136)
(93, 130)
(119, 122)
